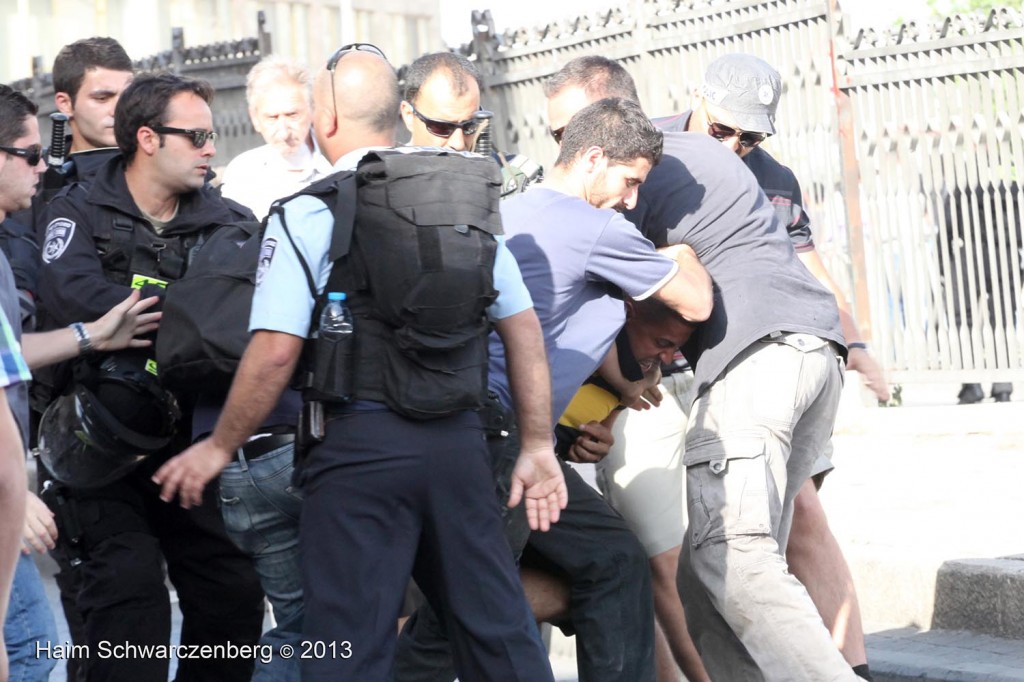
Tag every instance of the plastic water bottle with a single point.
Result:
(336, 332)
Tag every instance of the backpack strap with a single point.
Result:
(338, 192)
(117, 261)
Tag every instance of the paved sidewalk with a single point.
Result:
(915, 488)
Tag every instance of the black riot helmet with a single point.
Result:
(112, 420)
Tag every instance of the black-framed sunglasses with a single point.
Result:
(332, 63)
(724, 132)
(199, 137)
(447, 128)
(32, 155)
(557, 134)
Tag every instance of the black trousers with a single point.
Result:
(385, 498)
(129, 535)
(611, 604)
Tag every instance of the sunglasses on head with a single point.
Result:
(332, 63)
(447, 128)
(32, 155)
(557, 134)
(199, 137)
(724, 132)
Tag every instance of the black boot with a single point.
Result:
(1001, 391)
(970, 394)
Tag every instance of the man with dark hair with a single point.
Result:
(759, 339)
(440, 101)
(29, 619)
(19, 137)
(88, 77)
(574, 250)
(617, 123)
(132, 227)
(20, 167)
(587, 79)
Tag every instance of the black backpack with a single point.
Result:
(414, 247)
(205, 326)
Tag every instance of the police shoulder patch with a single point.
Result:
(267, 249)
(58, 236)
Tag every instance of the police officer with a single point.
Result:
(132, 227)
(384, 503)
(88, 77)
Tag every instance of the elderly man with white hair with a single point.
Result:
(280, 106)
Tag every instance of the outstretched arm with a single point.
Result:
(537, 474)
(118, 329)
(263, 374)
(12, 507)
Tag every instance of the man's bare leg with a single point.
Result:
(669, 611)
(664, 665)
(817, 561)
(548, 595)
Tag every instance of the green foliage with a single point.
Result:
(945, 7)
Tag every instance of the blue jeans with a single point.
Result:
(29, 620)
(261, 514)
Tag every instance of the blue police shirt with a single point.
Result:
(282, 301)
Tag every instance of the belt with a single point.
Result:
(261, 446)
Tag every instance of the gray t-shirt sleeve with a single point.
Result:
(627, 259)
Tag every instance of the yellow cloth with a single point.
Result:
(590, 404)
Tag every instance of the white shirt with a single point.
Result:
(260, 176)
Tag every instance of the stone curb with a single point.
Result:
(981, 595)
(944, 655)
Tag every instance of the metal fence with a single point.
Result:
(907, 143)
(224, 65)
(886, 130)
(938, 131)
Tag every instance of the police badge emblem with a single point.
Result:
(58, 236)
(267, 249)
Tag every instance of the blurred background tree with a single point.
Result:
(945, 7)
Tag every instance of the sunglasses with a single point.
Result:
(723, 132)
(199, 137)
(448, 128)
(32, 155)
(557, 134)
(332, 63)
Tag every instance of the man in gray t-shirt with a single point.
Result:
(773, 345)
(735, 84)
